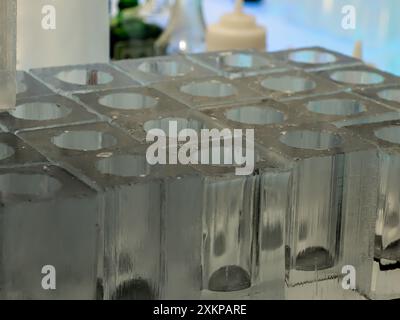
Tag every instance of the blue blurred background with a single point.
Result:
(298, 23)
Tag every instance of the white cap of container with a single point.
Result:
(236, 30)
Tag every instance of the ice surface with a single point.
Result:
(29, 87)
(255, 114)
(152, 70)
(15, 152)
(290, 85)
(387, 95)
(314, 58)
(50, 218)
(323, 196)
(237, 63)
(45, 111)
(83, 78)
(342, 109)
(359, 77)
(130, 108)
(138, 110)
(8, 26)
(75, 146)
(202, 92)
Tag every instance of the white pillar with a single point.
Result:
(62, 32)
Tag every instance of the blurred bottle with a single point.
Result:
(185, 32)
(236, 30)
(156, 11)
(131, 36)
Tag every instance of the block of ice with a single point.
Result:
(322, 159)
(383, 275)
(243, 227)
(48, 218)
(273, 207)
(45, 111)
(83, 78)
(151, 70)
(316, 217)
(322, 198)
(8, 27)
(204, 92)
(144, 218)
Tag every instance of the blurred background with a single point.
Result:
(290, 24)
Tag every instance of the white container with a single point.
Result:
(236, 30)
(62, 32)
(7, 53)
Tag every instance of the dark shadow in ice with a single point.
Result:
(135, 289)
(229, 278)
(314, 258)
(272, 237)
(219, 245)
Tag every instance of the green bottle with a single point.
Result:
(131, 37)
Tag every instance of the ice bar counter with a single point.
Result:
(322, 205)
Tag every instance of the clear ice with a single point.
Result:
(78, 193)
